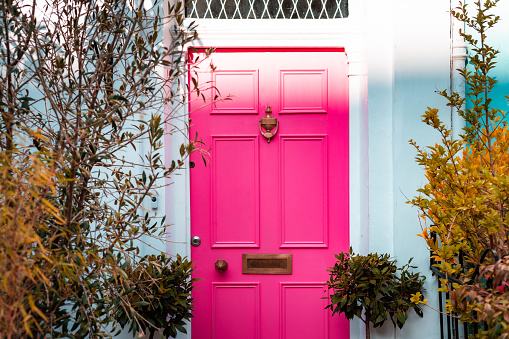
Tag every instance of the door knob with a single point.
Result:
(268, 123)
(221, 265)
(195, 241)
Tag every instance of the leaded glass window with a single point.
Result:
(267, 9)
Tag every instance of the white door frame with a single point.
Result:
(348, 33)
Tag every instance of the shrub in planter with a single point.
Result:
(159, 291)
(373, 288)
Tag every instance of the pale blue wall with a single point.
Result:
(403, 74)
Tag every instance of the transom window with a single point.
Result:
(267, 9)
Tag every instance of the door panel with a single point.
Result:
(289, 196)
(303, 91)
(303, 323)
(235, 189)
(246, 96)
(238, 304)
(312, 206)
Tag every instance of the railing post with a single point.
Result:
(440, 309)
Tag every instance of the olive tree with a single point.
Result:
(83, 83)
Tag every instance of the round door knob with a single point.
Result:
(221, 265)
(195, 241)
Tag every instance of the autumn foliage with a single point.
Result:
(465, 201)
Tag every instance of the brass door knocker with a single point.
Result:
(268, 123)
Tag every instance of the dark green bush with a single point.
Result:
(369, 287)
(160, 293)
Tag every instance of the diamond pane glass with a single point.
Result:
(267, 9)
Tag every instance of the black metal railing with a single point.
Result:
(450, 326)
(449, 322)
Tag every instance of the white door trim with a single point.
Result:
(348, 33)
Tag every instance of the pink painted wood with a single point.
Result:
(289, 196)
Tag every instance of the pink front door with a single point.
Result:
(289, 196)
